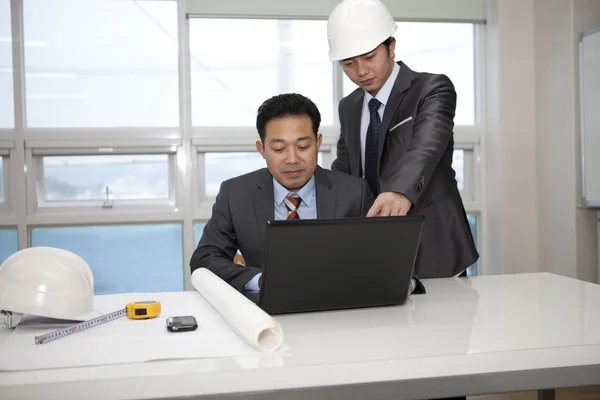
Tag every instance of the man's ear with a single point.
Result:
(319, 141)
(392, 48)
(260, 147)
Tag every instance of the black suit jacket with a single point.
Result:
(245, 204)
(415, 159)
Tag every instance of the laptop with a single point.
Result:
(332, 264)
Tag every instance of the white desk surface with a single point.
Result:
(465, 336)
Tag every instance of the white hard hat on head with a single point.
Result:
(47, 282)
(357, 27)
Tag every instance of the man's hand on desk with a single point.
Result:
(390, 204)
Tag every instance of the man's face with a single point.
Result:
(291, 150)
(370, 71)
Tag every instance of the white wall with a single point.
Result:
(534, 133)
(511, 140)
(556, 155)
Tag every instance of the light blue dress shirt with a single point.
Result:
(308, 194)
(306, 210)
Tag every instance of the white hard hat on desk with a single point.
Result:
(357, 27)
(47, 282)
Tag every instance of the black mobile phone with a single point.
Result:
(182, 324)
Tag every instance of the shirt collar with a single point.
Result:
(305, 194)
(384, 93)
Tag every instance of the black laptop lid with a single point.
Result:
(326, 264)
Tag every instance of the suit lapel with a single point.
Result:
(403, 83)
(325, 196)
(354, 121)
(263, 202)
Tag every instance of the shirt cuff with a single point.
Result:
(414, 285)
(252, 284)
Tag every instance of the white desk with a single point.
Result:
(465, 336)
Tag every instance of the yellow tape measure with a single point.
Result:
(143, 309)
(135, 310)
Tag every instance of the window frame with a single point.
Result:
(38, 205)
(189, 173)
(6, 149)
(466, 137)
(283, 68)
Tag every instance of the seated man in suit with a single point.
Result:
(292, 186)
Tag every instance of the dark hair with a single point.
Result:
(387, 42)
(287, 105)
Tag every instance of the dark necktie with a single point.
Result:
(372, 145)
(292, 203)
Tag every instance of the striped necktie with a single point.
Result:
(292, 203)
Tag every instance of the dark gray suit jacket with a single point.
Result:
(415, 159)
(245, 204)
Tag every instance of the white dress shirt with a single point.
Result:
(383, 96)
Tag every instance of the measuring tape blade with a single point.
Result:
(59, 333)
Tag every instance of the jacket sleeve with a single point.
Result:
(432, 132)
(367, 198)
(218, 246)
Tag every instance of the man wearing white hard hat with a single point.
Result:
(396, 132)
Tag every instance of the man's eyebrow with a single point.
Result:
(278, 140)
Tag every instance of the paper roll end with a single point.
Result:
(270, 340)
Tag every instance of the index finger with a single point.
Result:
(375, 209)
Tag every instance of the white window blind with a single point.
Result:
(403, 10)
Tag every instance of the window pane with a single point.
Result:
(310, 71)
(105, 64)
(7, 111)
(1, 180)
(458, 158)
(270, 57)
(8, 243)
(126, 258)
(198, 230)
(446, 48)
(219, 167)
(128, 177)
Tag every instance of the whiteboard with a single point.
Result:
(589, 81)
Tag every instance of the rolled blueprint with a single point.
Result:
(250, 322)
